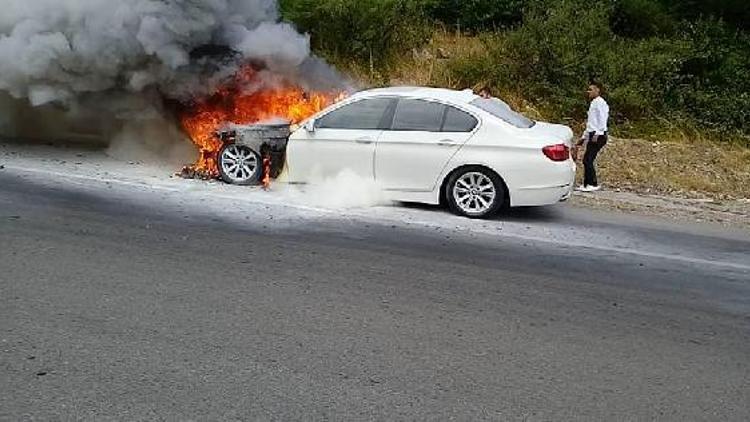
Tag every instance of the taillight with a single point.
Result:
(559, 152)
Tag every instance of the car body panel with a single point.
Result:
(320, 154)
(413, 160)
(411, 166)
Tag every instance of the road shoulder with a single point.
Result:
(727, 213)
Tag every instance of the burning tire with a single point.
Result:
(475, 192)
(239, 165)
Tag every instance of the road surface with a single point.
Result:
(127, 300)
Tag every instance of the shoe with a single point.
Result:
(582, 188)
(594, 188)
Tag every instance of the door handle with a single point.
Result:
(364, 140)
(446, 143)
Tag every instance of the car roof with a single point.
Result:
(441, 94)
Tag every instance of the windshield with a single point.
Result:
(503, 111)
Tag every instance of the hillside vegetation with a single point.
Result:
(671, 68)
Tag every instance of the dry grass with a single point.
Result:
(423, 67)
(676, 160)
(685, 169)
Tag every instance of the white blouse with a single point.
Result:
(598, 116)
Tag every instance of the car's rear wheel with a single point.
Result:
(239, 165)
(475, 192)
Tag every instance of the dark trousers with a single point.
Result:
(589, 158)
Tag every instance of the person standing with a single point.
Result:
(595, 137)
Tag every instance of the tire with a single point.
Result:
(239, 165)
(475, 192)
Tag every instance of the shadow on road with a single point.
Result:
(520, 214)
(529, 214)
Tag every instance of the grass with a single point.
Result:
(424, 67)
(689, 169)
(665, 158)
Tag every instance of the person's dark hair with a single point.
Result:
(484, 89)
(597, 84)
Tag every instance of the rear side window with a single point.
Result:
(418, 115)
(458, 121)
(365, 114)
(503, 111)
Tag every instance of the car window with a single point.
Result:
(418, 115)
(365, 114)
(458, 121)
(503, 111)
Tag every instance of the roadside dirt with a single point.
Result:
(728, 213)
(687, 181)
(702, 170)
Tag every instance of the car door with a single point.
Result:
(343, 139)
(422, 138)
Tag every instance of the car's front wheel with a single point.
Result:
(239, 165)
(475, 192)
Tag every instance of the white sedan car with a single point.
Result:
(438, 146)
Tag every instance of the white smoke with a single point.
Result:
(152, 141)
(122, 58)
(343, 190)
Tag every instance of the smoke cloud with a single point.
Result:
(119, 60)
(343, 190)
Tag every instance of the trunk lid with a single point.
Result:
(545, 134)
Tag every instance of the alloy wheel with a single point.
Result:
(474, 193)
(239, 164)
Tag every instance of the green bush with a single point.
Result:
(363, 30)
(734, 12)
(547, 60)
(659, 59)
(476, 15)
(716, 88)
(642, 18)
(700, 73)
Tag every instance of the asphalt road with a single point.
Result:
(120, 311)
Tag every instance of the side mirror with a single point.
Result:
(310, 126)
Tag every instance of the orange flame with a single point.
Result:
(230, 105)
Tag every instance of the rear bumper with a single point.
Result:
(567, 194)
(541, 195)
(556, 186)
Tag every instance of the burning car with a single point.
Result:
(424, 145)
(246, 118)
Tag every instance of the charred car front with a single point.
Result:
(252, 153)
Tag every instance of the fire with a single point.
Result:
(231, 105)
